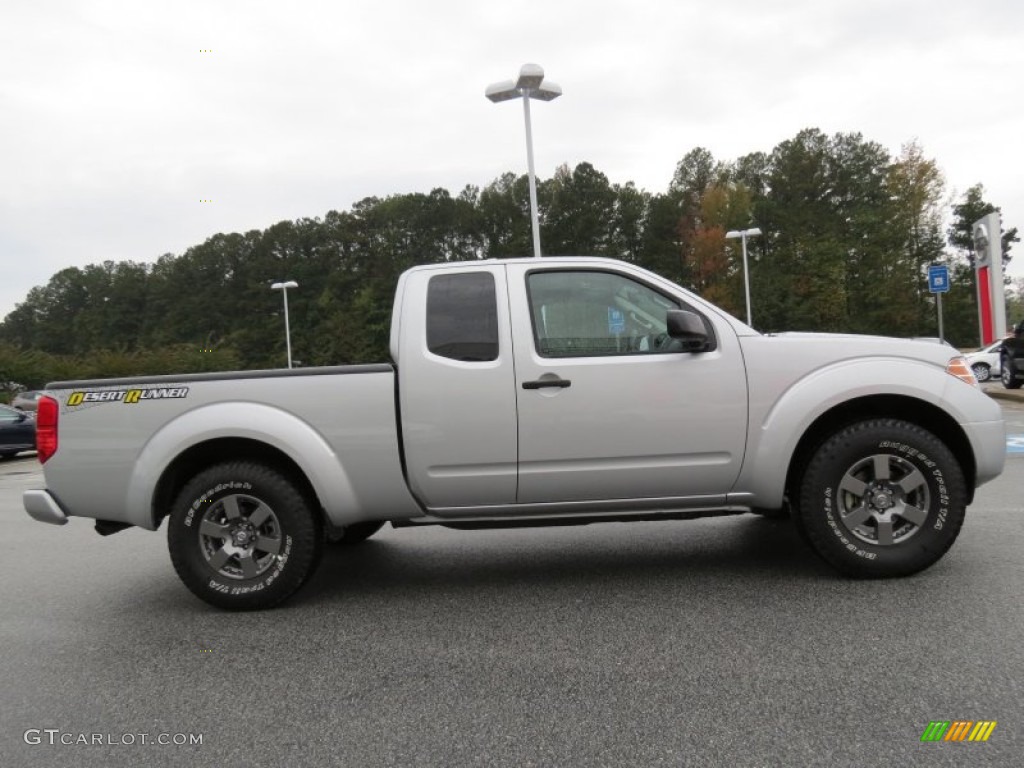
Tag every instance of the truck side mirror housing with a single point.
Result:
(689, 328)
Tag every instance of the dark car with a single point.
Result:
(26, 401)
(17, 431)
(1011, 358)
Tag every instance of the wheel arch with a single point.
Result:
(909, 409)
(208, 453)
(228, 431)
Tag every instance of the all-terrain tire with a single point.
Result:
(1008, 374)
(242, 536)
(882, 498)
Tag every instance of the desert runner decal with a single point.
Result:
(127, 396)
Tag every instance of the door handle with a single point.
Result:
(541, 383)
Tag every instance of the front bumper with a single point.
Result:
(41, 506)
(989, 442)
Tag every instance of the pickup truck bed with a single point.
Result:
(338, 423)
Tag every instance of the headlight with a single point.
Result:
(959, 367)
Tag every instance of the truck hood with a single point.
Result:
(834, 347)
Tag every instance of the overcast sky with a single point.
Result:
(117, 118)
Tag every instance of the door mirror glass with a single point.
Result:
(688, 328)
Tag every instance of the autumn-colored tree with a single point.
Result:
(716, 265)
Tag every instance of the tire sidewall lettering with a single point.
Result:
(210, 495)
(930, 470)
(240, 587)
(838, 530)
(833, 524)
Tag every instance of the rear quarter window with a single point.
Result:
(462, 317)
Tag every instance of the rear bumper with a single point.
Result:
(41, 506)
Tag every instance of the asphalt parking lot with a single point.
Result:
(719, 642)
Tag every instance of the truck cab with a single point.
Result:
(566, 387)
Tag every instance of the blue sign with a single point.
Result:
(938, 279)
(616, 321)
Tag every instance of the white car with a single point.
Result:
(985, 362)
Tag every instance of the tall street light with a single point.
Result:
(743, 234)
(283, 288)
(530, 85)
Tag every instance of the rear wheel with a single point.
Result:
(1008, 374)
(242, 536)
(981, 371)
(882, 498)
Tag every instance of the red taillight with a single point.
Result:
(46, 427)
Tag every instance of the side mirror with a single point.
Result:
(689, 328)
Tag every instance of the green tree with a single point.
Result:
(916, 188)
(971, 208)
(697, 171)
(580, 213)
(662, 240)
(629, 222)
(504, 213)
(801, 281)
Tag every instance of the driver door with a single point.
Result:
(608, 407)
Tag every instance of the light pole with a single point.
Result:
(283, 288)
(530, 85)
(743, 234)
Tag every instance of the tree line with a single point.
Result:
(848, 234)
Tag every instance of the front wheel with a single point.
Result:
(882, 498)
(242, 536)
(981, 371)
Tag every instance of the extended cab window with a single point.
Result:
(462, 316)
(586, 314)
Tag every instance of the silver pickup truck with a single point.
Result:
(530, 392)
